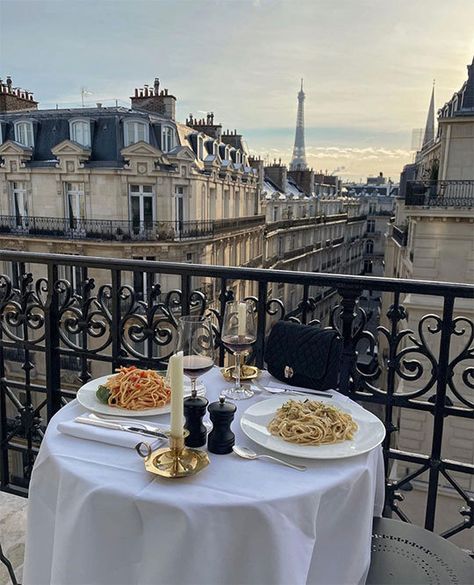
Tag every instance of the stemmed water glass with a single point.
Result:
(196, 341)
(238, 334)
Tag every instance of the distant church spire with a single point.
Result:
(298, 160)
(430, 123)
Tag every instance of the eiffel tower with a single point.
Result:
(298, 161)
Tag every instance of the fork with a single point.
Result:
(290, 391)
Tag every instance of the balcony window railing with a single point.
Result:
(452, 193)
(423, 366)
(122, 230)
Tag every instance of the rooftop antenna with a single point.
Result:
(84, 93)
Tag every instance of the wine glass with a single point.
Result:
(238, 334)
(196, 341)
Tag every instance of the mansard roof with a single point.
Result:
(462, 102)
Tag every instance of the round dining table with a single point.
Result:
(97, 517)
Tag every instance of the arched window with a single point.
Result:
(369, 247)
(24, 133)
(134, 131)
(80, 132)
(167, 138)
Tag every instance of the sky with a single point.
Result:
(368, 66)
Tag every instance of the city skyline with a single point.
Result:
(243, 61)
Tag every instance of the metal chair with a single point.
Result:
(404, 554)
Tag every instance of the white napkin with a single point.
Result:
(109, 436)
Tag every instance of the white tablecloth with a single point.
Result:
(96, 517)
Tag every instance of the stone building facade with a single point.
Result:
(432, 238)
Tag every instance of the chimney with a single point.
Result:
(277, 173)
(304, 178)
(205, 125)
(15, 99)
(154, 100)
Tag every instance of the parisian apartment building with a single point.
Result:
(432, 238)
(136, 183)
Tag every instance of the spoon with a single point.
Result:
(247, 453)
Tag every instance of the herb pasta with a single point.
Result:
(312, 423)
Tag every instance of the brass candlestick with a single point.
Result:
(175, 460)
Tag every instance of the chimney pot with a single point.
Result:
(99, 105)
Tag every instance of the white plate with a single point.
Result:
(370, 433)
(86, 396)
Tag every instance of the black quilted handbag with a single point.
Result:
(304, 355)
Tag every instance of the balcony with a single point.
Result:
(400, 234)
(104, 229)
(104, 322)
(122, 230)
(292, 223)
(355, 218)
(456, 193)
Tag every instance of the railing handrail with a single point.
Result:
(378, 283)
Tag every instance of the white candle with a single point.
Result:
(242, 317)
(177, 393)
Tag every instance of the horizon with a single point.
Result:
(358, 122)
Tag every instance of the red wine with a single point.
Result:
(238, 343)
(196, 365)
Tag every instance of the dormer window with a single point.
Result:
(167, 138)
(200, 148)
(134, 131)
(24, 133)
(80, 132)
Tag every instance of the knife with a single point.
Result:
(120, 427)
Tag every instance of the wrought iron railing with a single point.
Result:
(451, 193)
(103, 322)
(400, 234)
(121, 230)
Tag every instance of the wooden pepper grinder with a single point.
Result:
(221, 439)
(194, 411)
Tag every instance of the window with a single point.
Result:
(135, 131)
(369, 247)
(75, 205)
(275, 214)
(200, 148)
(238, 156)
(143, 283)
(179, 208)
(19, 203)
(74, 275)
(167, 138)
(80, 132)
(370, 226)
(141, 207)
(24, 133)
(367, 267)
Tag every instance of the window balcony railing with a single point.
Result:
(452, 193)
(400, 234)
(420, 366)
(122, 230)
(104, 229)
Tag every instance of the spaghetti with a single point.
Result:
(137, 389)
(312, 423)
